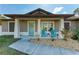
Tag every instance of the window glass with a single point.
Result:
(11, 27)
(67, 25)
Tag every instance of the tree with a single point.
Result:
(76, 11)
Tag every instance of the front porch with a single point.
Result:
(40, 27)
(33, 27)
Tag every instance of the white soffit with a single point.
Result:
(4, 17)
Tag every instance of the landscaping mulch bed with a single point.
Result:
(70, 44)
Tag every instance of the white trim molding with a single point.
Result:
(7, 33)
(12, 33)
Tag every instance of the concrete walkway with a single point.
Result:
(25, 46)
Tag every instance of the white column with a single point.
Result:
(61, 28)
(39, 27)
(0, 28)
(61, 24)
(17, 29)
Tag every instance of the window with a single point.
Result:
(11, 26)
(48, 25)
(67, 25)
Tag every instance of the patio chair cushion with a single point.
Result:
(44, 33)
(54, 33)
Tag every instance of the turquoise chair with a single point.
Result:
(54, 33)
(43, 33)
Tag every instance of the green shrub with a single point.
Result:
(65, 32)
(75, 34)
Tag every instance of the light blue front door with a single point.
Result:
(31, 28)
(43, 29)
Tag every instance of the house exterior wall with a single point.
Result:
(57, 23)
(23, 26)
(74, 25)
(4, 26)
(77, 25)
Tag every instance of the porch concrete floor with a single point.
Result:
(25, 46)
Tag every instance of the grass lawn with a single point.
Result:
(5, 41)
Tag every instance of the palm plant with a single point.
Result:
(67, 34)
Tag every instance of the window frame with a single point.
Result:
(48, 22)
(69, 24)
(9, 25)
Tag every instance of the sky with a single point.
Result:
(25, 8)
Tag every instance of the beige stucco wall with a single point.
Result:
(77, 24)
(74, 24)
(23, 26)
(57, 23)
(4, 26)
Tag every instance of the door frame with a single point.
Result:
(28, 26)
